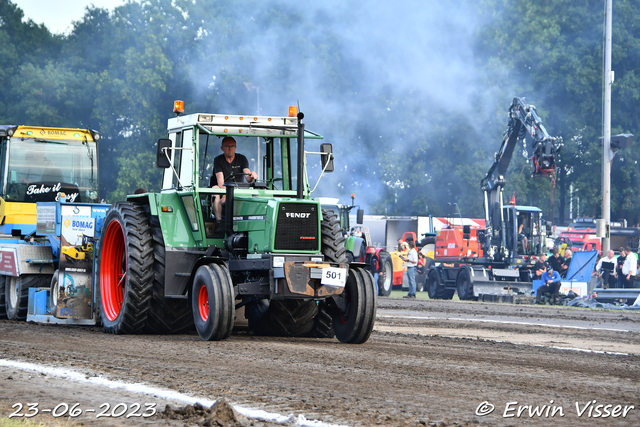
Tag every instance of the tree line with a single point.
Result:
(414, 97)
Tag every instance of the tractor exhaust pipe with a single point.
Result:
(300, 187)
(228, 209)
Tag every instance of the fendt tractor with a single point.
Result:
(274, 253)
(39, 165)
(358, 241)
(498, 260)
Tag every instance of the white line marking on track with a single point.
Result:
(506, 322)
(163, 393)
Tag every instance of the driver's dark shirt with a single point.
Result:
(236, 167)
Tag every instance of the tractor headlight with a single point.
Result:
(278, 262)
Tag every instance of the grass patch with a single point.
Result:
(419, 295)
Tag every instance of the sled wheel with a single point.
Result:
(17, 294)
(213, 302)
(125, 269)
(3, 306)
(354, 324)
(53, 293)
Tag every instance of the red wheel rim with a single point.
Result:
(113, 270)
(203, 303)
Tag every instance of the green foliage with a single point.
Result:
(404, 146)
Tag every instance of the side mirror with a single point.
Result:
(466, 231)
(326, 157)
(162, 159)
(360, 216)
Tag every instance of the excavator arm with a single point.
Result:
(523, 119)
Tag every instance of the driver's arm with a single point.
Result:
(250, 175)
(220, 179)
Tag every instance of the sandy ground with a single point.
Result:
(438, 363)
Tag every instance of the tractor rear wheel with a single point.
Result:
(354, 324)
(17, 294)
(125, 270)
(166, 315)
(385, 279)
(286, 318)
(212, 300)
(3, 306)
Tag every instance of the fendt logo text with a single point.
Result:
(298, 214)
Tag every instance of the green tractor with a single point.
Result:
(272, 255)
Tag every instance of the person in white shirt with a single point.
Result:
(629, 268)
(607, 276)
(412, 263)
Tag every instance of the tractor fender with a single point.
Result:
(200, 262)
(356, 246)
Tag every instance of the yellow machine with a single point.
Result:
(40, 163)
(83, 252)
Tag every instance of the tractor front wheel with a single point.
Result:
(354, 322)
(212, 301)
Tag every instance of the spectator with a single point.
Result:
(629, 268)
(556, 260)
(373, 261)
(551, 284)
(606, 271)
(412, 263)
(620, 262)
(565, 265)
(541, 263)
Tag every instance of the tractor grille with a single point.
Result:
(297, 227)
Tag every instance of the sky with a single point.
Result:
(59, 19)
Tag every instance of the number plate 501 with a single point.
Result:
(334, 276)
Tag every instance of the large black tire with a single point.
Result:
(355, 323)
(464, 285)
(422, 275)
(212, 300)
(332, 238)
(17, 293)
(166, 315)
(125, 269)
(323, 323)
(294, 318)
(3, 306)
(435, 289)
(385, 279)
(286, 318)
(53, 293)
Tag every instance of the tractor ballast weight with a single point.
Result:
(275, 254)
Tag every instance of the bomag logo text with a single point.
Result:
(53, 132)
(82, 224)
(298, 214)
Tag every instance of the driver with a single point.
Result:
(232, 166)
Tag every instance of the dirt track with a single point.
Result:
(427, 363)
